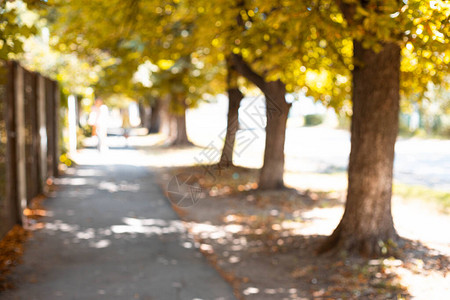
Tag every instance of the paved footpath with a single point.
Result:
(111, 234)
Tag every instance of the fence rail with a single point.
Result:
(29, 139)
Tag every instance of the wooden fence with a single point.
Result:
(29, 139)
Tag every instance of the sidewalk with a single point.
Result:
(111, 234)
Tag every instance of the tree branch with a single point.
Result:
(245, 70)
(347, 9)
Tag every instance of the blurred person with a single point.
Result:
(126, 125)
(98, 119)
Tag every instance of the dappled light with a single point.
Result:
(241, 230)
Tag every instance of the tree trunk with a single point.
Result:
(178, 131)
(277, 110)
(367, 224)
(234, 100)
(141, 113)
(147, 117)
(144, 114)
(155, 117)
(164, 116)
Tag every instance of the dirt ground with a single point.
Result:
(264, 243)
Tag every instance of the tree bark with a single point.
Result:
(277, 110)
(367, 222)
(234, 100)
(181, 138)
(144, 115)
(164, 116)
(155, 117)
(178, 131)
(141, 113)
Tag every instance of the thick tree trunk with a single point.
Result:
(367, 222)
(277, 110)
(178, 130)
(180, 134)
(155, 117)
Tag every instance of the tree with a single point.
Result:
(28, 43)
(272, 49)
(13, 28)
(227, 39)
(277, 110)
(378, 32)
(143, 34)
(180, 85)
(367, 219)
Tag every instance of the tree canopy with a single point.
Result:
(16, 24)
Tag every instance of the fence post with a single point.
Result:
(20, 141)
(36, 137)
(49, 107)
(42, 129)
(7, 166)
(11, 153)
(72, 112)
(30, 123)
(56, 132)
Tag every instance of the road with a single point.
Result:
(320, 149)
